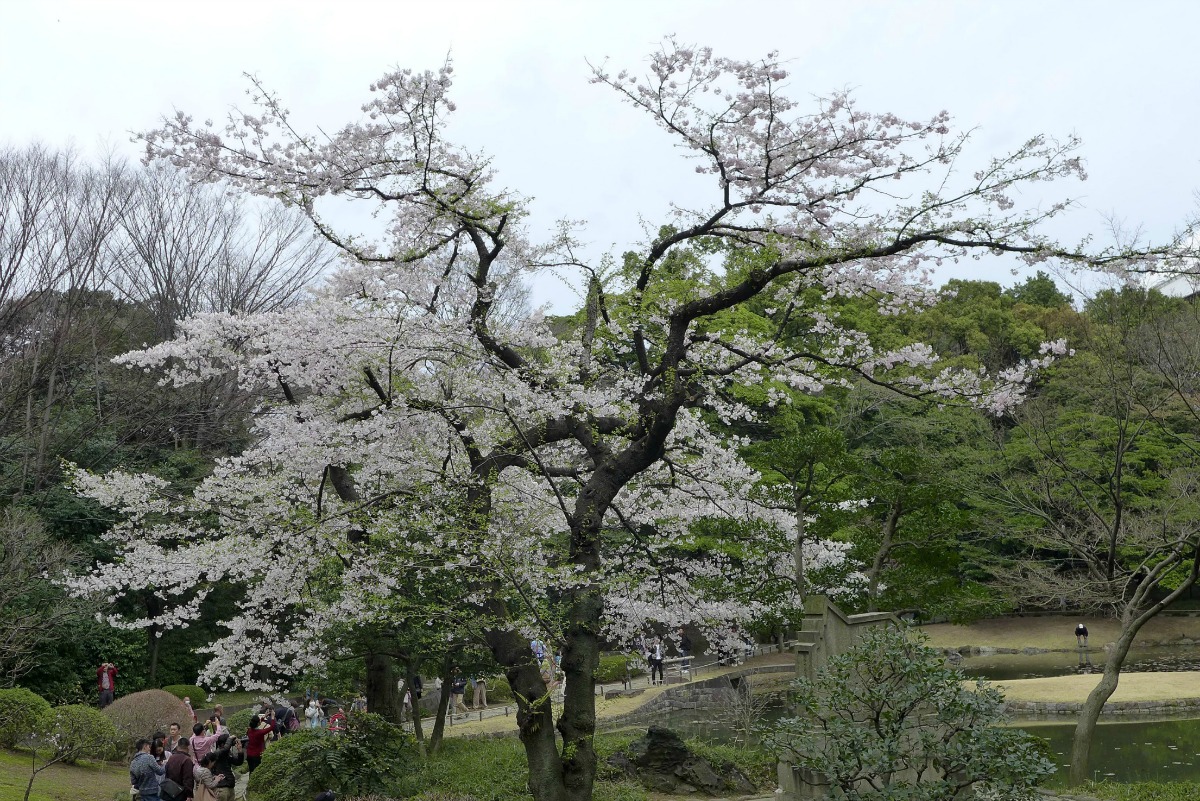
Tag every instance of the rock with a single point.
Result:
(662, 762)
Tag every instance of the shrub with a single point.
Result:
(612, 668)
(239, 721)
(141, 714)
(367, 758)
(20, 713)
(76, 731)
(890, 712)
(194, 692)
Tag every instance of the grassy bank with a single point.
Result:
(1053, 632)
(1133, 687)
(84, 782)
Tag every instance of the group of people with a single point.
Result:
(174, 767)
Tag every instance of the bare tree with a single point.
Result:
(32, 610)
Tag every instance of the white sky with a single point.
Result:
(1124, 75)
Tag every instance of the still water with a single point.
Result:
(1130, 750)
(1005, 667)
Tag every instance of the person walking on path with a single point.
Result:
(458, 688)
(145, 774)
(1081, 635)
(479, 699)
(106, 683)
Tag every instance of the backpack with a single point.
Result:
(293, 722)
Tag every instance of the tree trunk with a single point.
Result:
(801, 511)
(439, 720)
(1081, 744)
(577, 725)
(1131, 624)
(383, 698)
(881, 555)
(418, 731)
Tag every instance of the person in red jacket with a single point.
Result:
(257, 735)
(337, 721)
(106, 683)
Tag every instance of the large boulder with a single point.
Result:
(662, 762)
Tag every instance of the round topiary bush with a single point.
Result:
(20, 712)
(195, 693)
(76, 731)
(142, 714)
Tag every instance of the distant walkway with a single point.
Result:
(1056, 632)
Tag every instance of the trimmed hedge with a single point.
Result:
(142, 714)
(193, 692)
(20, 713)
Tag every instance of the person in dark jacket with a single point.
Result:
(229, 755)
(145, 773)
(1081, 635)
(180, 767)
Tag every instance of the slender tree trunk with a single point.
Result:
(1089, 715)
(418, 731)
(439, 721)
(1131, 623)
(801, 513)
(578, 721)
(881, 556)
(382, 696)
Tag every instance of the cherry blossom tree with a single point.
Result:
(555, 468)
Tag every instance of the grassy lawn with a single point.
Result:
(83, 782)
(1133, 687)
(1053, 632)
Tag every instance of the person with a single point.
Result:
(205, 781)
(1081, 635)
(173, 739)
(458, 689)
(360, 704)
(539, 649)
(187, 701)
(479, 699)
(201, 742)
(219, 714)
(337, 721)
(284, 717)
(158, 747)
(145, 774)
(106, 683)
(313, 713)
(229, 754)
(257, 736)
(655, 657)
(180, 767)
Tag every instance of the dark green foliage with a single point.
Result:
(612, 668)
(889, 720)
(239, 721)
(368, 758)
(20, 713)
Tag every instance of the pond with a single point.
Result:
(1005, 667)
(1130, 750)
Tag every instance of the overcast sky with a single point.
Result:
(1123, 75)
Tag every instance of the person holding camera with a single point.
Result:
(106, 683)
